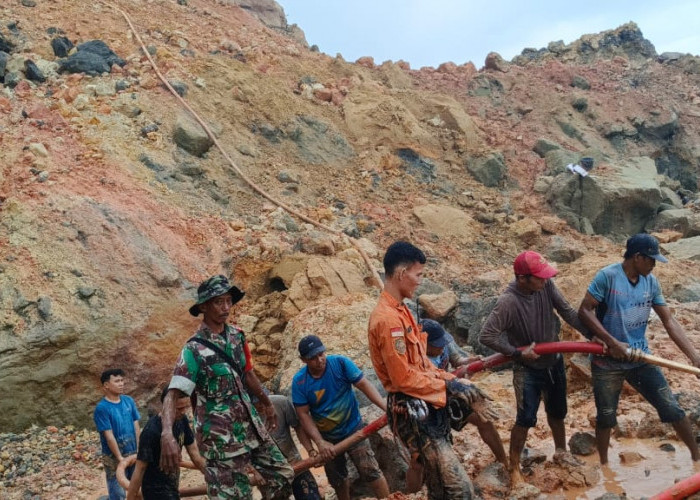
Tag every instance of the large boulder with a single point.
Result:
(190, 136)
(687, 248)
(469, 317)
(682, 220)
(448, 222)
(93, 57)
(490, 170)
(322, 277)
(620, 199)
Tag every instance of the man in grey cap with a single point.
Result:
(217, 366)
(616, 310)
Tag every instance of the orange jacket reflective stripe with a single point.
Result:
(397, 347)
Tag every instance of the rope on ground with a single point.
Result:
(353, 241)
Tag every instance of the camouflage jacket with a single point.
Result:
(226, 423)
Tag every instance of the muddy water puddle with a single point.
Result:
(656, 471)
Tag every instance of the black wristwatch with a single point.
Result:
(517, 354)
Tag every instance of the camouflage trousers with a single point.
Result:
(228, 479)
(430, 441)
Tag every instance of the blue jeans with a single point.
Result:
(647, 379)
(114, 491)
(533, 385)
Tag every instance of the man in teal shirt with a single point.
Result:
(616, 310)
(328, 411)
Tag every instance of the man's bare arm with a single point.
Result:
(136, 480)
(255, 388)
(371, 392)
(169, 449)
(586, 313)
(677, 334)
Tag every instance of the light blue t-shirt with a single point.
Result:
(332, 403)
(118, 418)
(624, 309)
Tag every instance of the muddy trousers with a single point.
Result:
(430, 440)
(444, 474)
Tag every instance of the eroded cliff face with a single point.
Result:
(114, 205)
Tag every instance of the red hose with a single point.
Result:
(544, 348)
(682, 489)
(489, 362)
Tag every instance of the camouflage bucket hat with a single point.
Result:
(213, 287)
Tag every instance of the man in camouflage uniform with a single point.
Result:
(230, 433)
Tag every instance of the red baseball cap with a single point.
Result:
(533, 263)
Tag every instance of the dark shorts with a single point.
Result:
(362, 456)
(647, 379)
(532, 385)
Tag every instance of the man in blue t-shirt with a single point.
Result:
(117, 421)
(328, 411)
(616, 310)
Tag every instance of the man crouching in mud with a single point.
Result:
(418, 391)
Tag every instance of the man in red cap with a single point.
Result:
(524, 316)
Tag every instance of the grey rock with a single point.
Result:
(191, 169)
(563, 250)
(544, 146)
(191, 137)
(489, 170)
(179, 87)
(84, 62)
(686, 248)
(494, 479)
(580, 82)
(679, 165)
(101, 49)
(5, 44)
(621, 202)
(423, 169)
(151, 127)
(32, 72)
(666, 57)
(287, 177)
(667, 447)
(580, 104)
(44, 307)
(149, 163)
(669, 196)
(93, 57)
(121, 85)
(28, 3)
(689, 292)
(531, 457)
(611, 496)
(582, 443)
(659, 128)
(469, 317)
(4, 57)
(556, 160)
(495, 62)
(61, 46)
(85, 292)
(676, 220)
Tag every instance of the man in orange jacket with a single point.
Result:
(418, 391)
